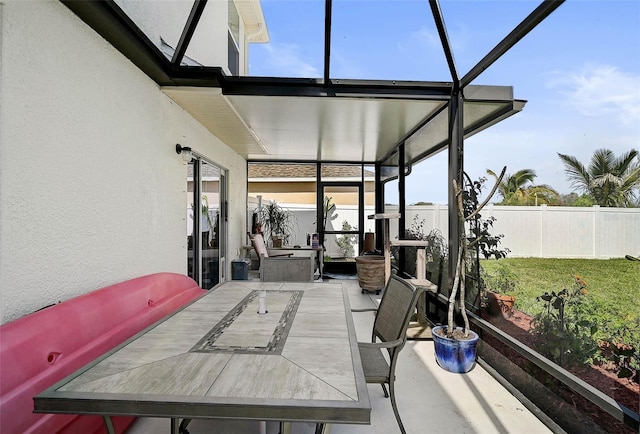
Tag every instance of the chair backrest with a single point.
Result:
(394, 313)
(287, 269)
(258, 245)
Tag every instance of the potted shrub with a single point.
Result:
(277, 223)
(455, 347)
(499, 286)
(435, 251)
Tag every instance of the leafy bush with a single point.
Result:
(345, 242)
(614, 296)
(436, 250)
(623, 350)
(479, 236)
(564, 332)
(502, 279)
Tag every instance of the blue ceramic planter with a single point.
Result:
(455, 355)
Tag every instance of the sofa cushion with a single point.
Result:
(46, 346)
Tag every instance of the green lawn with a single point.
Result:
(613, 285)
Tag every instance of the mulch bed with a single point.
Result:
(602, 377)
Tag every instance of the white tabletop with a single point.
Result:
(219, 358)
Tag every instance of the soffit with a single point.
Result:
(483, 106)
(338, 128)
(253, 17)
(209, 107)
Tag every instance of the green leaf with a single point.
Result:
(625, 373)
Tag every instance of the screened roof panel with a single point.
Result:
(158, 20)
(476, 27)
(409, 44)
(315, 117)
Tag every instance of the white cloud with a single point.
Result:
(601, 90)
(343, 67)
(426, 37)
(285, 60)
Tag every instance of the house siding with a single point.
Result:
(91, 189)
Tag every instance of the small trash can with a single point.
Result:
(239, 270)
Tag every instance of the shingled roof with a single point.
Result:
(259, 170)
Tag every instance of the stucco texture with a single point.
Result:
(91, 189)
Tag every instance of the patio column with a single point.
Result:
(402, 203)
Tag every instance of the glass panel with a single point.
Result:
(210, 226)
(205, 246)
(233, 57)
(192, 236)
(342, 223)
(293, 188)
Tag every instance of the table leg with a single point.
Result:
(108, 423)
(285, 427)
(183, 426)
(323, 428)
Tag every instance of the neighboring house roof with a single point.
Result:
(276, 172)
(280, 171)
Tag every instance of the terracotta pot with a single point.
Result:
(500, 304)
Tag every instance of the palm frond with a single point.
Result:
(577, 174)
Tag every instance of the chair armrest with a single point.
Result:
(389, 344)
(281, 254)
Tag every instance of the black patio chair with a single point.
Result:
(390, 329)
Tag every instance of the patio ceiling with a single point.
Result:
(351, 122)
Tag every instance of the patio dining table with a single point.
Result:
(220, 358)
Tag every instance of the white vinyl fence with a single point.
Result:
(552, 231)
(529, 231)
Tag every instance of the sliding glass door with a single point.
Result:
(206, 217)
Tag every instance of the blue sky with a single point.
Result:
(579, 72)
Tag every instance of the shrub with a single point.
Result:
(563, 330)
(345, 242)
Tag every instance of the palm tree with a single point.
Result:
(515, 191)
(610, 180)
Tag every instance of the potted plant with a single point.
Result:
(435, 251)
(277, 223)
(455, 347)
(499, 286)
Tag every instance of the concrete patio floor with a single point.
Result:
(429, 398)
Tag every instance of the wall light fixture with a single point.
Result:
(185, 152)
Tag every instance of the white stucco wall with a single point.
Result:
(91, 189)
(166, 19)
